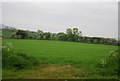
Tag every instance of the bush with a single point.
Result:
(17, 60)
(109, 66)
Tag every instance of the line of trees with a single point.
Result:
(73, 35)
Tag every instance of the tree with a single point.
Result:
(75, 34)
(80, 33)
(62, 36)
(12, 29)
(54, 36)
(70, 36)
(69, 31)
(75, 31)
(47, 35)
(40, 34)
(22, 34)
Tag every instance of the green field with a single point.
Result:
(60, 55)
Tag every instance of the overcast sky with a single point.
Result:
(92, 18)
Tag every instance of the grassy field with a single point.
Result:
(59, 58)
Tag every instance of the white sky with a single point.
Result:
(92, 18)
(59, 0)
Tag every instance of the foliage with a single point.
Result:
(7, 32)
(16, 60)
(22, 34)
(61, 36)
(74, 35)
(109, 66)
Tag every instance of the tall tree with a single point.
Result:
(80, 33)
(70, 36)
(75, 34)
(75, 31)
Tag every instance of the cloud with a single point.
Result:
(94, 19)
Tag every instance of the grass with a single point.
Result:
(80, 57)
(17, 60)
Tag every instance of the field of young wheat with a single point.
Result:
(59, 59)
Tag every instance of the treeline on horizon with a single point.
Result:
(72, 35)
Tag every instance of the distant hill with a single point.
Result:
(7, 31)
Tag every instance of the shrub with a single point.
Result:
(109, 66)
(17, 60)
